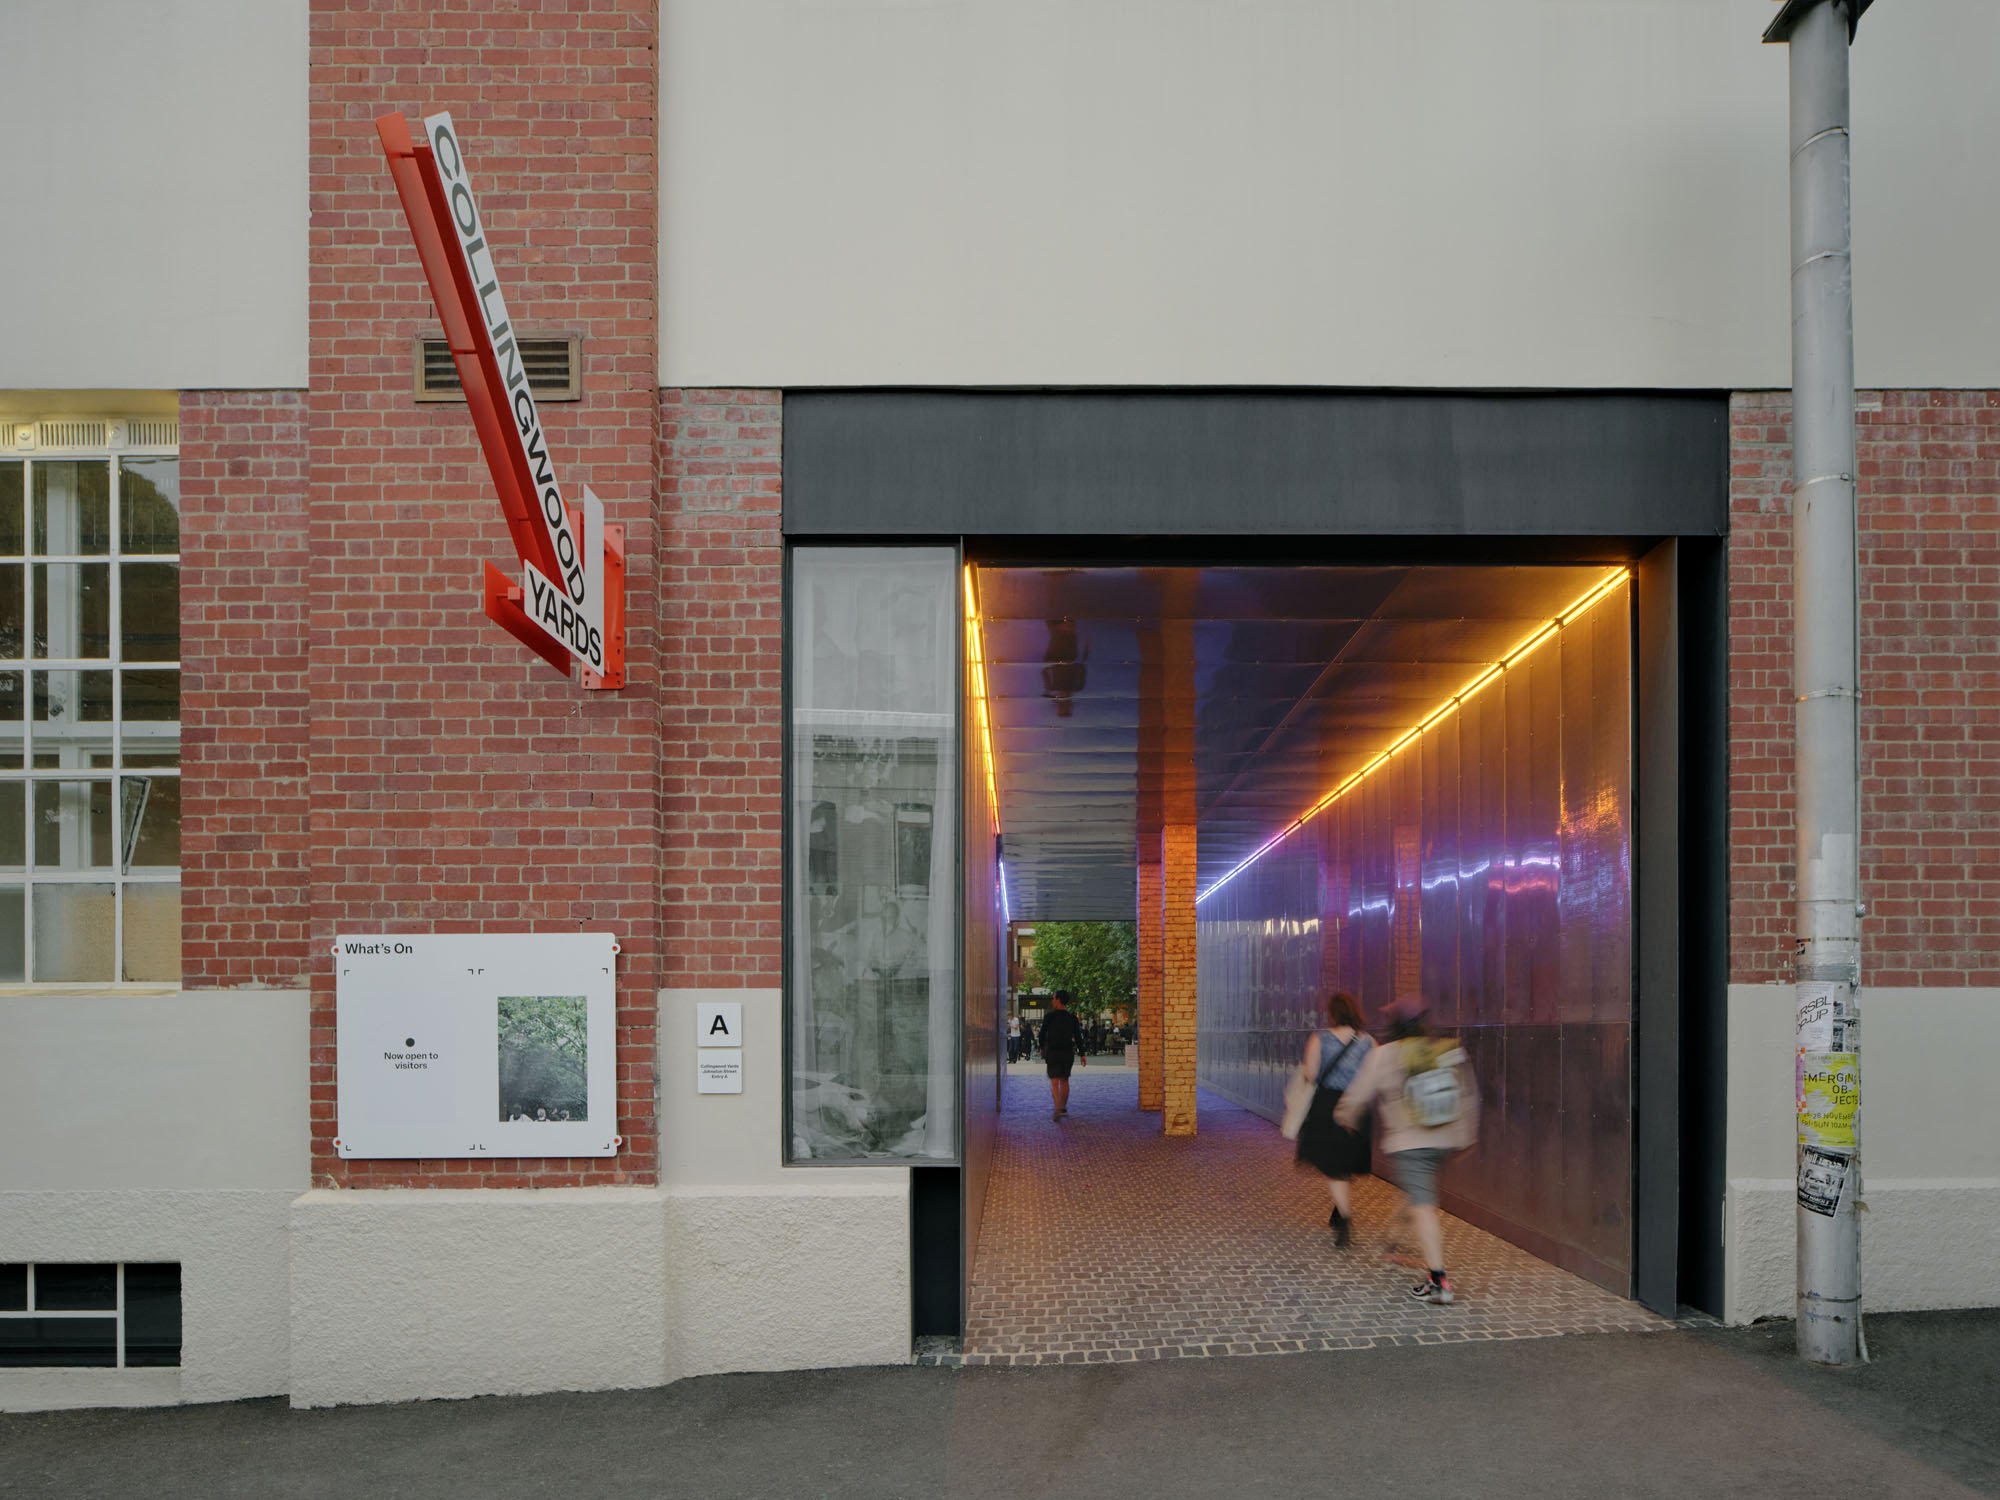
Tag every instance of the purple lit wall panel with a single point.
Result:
(1519, 806)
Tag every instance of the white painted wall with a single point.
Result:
(769, 1267)
(1931, 1163)
(1548, 193)
(405, 1296)
(155, 194)
(159, 1127)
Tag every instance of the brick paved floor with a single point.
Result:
(1216, 1245)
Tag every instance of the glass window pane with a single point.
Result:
(151, 822)
(14, 1287)
(152, 1315)
(61, 1287)
(13, 609)
(13, 737)
(73, 934)
(13, 825)
(13, 935)
(73, 711)
(151, 609)
(26, 1343)
(873, 744)
(152, 697)
(73, 610)
(149, 500)
(72, 506)
(72, 823)
(152, 934)
(12, 498)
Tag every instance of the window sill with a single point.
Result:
(47, 1388)
(110, 991)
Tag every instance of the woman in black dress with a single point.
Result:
(1333, 1057)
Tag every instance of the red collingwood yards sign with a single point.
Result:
(570, 602)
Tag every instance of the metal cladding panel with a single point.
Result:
(1518, 809)
(1254, 463)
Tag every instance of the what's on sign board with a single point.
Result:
(570, 603)
(476, 1044)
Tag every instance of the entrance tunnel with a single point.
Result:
(1389, 780)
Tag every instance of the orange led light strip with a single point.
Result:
(975, 655)
(1541, 633)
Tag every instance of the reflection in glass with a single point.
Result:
(152, 933)
(152, 1315)
(58, 1342)
(13, 609)
(13, 738)
(72, 507)
(13, 935)
(13, 824)
(68, 697)
(73, 610)
(152, 697)
(70, 1287)
(149, 504)
(12, 496)
(873, 926)
(73, 928)
(151, 822)
(150, 608)
(72, 822)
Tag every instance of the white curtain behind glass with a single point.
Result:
(873, 746)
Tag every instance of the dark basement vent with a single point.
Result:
(554, 363)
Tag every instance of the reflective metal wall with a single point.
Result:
(1489, 865)
(985, 955)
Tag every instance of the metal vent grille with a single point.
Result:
(72, 434)
(16, 435)
(554, 363)
(152, 432)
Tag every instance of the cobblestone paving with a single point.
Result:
(1105, 1242)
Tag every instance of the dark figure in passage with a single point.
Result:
(1423, 1087)
(1333, 1059)
(1062, 1046)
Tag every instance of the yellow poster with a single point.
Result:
(1829, 1097)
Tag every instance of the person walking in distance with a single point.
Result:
(1333, 1060)
(1423, 1088)
(1062, 1047)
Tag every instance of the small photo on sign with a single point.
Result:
(544, 1052)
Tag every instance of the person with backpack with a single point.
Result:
(1333, 1060)
(1422, 1087)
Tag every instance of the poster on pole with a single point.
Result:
(476, 1045)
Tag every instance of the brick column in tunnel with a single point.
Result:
(1151, 972)
(1177, 950)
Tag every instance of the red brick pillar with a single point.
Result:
(457, 783)
(1152, 974)
(1177, 943)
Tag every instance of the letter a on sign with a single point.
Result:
(569, 605)
(719, 1023)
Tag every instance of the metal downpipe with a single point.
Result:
(1827, 978)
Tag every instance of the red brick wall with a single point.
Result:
(721, 658)
(457, 782)
(243, 689)
(1930, 688)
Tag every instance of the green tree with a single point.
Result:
(1097, 962)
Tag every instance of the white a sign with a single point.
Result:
(476, 1045)
(718, 1023)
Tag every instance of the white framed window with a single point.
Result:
(90, 806)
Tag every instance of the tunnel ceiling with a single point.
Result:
(1122, 698)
